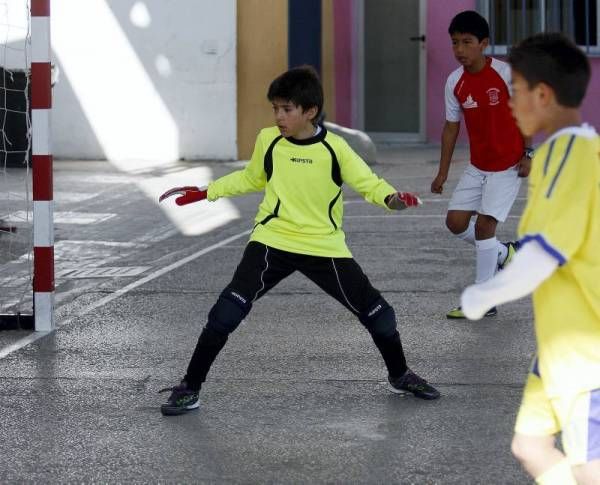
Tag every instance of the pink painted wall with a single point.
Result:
(343, 40)
(591, 103)
(440, 63)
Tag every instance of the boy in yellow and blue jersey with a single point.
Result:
(301, 167)
(559, 262)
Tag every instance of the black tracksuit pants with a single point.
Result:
(261, 268)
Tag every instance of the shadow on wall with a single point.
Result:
(146, 79)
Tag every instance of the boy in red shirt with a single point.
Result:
(479, 90)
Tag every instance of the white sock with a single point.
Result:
(502, 252)
(469, 234)
(487, 258)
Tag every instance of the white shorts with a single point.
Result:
(488, 193)
(576, 416)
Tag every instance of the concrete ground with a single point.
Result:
(298, 394)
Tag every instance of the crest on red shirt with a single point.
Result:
(494, 95)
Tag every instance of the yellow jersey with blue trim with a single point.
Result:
(563, 216)
(303, 206)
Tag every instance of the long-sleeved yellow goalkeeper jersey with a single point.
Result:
(303, 205)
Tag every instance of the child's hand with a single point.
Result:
(437, 186)
(524, 167)
(401, 200)
(187, 194)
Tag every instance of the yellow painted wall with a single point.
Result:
(327, 59)
(262, 54)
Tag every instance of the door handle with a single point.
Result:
(420, 38)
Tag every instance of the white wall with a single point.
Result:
(144, 79)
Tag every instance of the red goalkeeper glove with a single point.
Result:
(401, 200)
(187, 194)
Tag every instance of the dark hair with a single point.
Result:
(300, 85)
(470, 22)
(553, 59)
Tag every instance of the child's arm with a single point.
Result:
(528, 269)
(358, 175)
(245, 181)
(449, 136)
(250, 179)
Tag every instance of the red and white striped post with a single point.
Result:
(43, 205)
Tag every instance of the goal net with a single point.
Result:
(16, 200)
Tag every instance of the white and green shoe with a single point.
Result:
(457, 313)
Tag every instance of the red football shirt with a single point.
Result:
(482, 98)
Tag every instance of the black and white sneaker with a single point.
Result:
(411, 382)
(181, 400)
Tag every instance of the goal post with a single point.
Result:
(43, 204)
(26, 187)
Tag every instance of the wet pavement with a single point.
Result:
(298, 394)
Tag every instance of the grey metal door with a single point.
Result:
(393, 50)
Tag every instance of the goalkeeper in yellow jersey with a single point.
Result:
(301, 168)
(559, 262)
